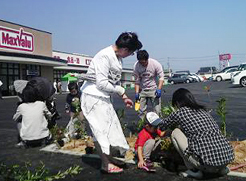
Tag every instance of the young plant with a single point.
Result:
(57, 133)
(121, 115)
(221, 111)
(80, 130)
(76, 104)
(24, 173)
(140, 124)
(167, 110)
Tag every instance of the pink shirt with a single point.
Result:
(146, 77)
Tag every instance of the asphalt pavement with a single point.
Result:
(10, 155)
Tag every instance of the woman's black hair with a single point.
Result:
(142, 55)
(183, 97)
(72, 85)
(30, 94)
(128, 40)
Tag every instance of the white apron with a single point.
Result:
(103, 122)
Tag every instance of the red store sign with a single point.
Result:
(16, 39)
(225, 57)
(73, 59)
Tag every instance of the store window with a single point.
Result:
(30, 71)
(9, 72)
(58, 74)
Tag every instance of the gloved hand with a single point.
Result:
(158, 93)
(137, 97)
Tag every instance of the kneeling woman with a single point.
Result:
(198, 138)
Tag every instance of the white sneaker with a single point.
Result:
(20, 145)
(191, 174)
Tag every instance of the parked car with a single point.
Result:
(196, 78)
(179, 78)
(183, 72)
(239, 78)
(241, 67)
(225, 74)
(207, 72)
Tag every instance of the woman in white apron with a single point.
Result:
(104, 75)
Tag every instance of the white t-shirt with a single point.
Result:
(34, 124)
(106, 68)
(1, 83)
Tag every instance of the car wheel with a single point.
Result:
(172, 82)
(187, 81)
(243, 81)
(218, 79)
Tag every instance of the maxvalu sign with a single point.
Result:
(18, 40)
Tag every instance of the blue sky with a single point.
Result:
(190, 33)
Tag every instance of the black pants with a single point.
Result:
(39, 142)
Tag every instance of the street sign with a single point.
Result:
(223, 57)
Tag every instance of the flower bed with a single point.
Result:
(239, 163)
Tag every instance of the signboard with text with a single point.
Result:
(73, 59)
(18, 40)
(223, 57)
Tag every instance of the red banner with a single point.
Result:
(225, 57)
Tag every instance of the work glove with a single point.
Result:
(137, 97)
(158, 93)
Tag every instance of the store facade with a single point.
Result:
(79, 63)
(24, 53)
(76, 63)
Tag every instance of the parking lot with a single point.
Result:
(235, 119)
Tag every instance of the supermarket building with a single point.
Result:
(27, 52)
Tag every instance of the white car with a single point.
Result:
(196, 78)
(239, 78)
(241, 67)
(225, 74)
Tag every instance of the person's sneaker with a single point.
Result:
(149, 167)
(20, 145)
(192, 174)
(149, 163)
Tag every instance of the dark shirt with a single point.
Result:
(69, 101)
(204, 136)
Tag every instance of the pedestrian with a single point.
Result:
(197, 137)
(146, 143)
(1, 84)
(59, 87)
(31, 117)
(55, 86)
(104, 75)
(74, 95)
(149, 79)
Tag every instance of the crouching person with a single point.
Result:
(197, 137)
(31, 117)
(146, 143)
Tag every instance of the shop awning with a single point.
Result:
(11, 57)
(69, 77)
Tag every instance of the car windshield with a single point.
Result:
(232, 70)
(242, 67)
(227, 68)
